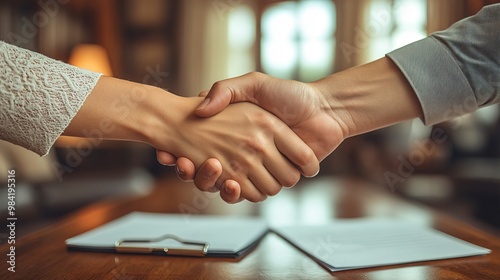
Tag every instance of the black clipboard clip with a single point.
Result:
(123, 246)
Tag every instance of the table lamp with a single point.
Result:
(91, 57)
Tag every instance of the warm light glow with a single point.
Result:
(91, 57)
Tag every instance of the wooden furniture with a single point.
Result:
(43, 255)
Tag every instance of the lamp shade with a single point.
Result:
(91, 57)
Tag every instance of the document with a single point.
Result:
(339, 245)
(173, 234)
(360, 243)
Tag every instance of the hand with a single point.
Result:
(323, 113)
(251, 146)
(301, 106)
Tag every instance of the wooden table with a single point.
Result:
(43, 255)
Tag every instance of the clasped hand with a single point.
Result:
(303, 107)
(254, 149)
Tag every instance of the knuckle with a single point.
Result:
(254, 74)
(236, 167)
(256, 145)
(217, 86)
(264, 120)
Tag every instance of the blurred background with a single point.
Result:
(185, 46)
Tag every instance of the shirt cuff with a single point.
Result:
(436, 77)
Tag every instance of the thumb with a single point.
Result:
(232, 90)
(215, 101)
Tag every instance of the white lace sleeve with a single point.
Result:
(38, 97)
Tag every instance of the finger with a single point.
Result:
(185, 169)
(207, 175)
(208, 178)
(249, 190)
(251, 193)
(282, 170)
(263, 181)
(297, 152)
(165, 158)
(230, 192)
(203, 93)
(276, 162)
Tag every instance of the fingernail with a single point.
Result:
(203, 104)
(180, 171)
(228, 190)
(209, 174)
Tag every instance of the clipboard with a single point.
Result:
(124, 246)
(174, 235)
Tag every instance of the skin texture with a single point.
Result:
(252, 147)
(322, 113)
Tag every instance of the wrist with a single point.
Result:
(334, 104)
(139, 110)
(159, 118)
(164, 120)
(122, 110)
(369, 97)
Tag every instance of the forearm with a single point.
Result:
(369, 97)
(123, 110)
(449, 74)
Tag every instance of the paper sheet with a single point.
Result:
(359, 243)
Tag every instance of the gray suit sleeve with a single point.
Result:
(455, 71)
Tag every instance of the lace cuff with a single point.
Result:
(39, 97)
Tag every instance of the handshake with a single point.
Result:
(259, 150)
(251, 153)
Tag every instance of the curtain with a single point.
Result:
(441, 14)
(351, 43)
(203, 45)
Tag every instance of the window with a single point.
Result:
(298, 39)
(241, 41)
(394, 24)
